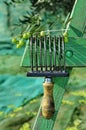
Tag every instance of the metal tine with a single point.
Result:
(40, 42)
(31, 52)
(59, 53)
(63, 50)
(45, 53)
(54, 45)
(50, 52)
(36, 57)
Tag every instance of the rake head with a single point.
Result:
(47, 56)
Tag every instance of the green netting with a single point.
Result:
(9, 16)
(17, 90)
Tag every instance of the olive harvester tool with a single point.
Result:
(47, 60)
(53, 57)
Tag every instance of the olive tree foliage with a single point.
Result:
(39, 14)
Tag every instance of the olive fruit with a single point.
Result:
(26, 35)
(42, 33)
(14, 40)
(65, 39)
(65, 35)
(18, 46)
(21, 42)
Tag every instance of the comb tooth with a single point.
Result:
(36, 58)
(45, 54)
(31, 52)
(50, 51)
(54, 52)
(41, 53)
(59, 52)
(63, 52)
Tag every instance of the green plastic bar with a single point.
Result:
(77, 24)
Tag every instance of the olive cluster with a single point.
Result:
(21, 39)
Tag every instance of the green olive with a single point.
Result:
(65, 37)
(25, 36)
(21, 42)
(28, 34)
(42, 33)
(65, 34)
(18, 46)
(14, 40)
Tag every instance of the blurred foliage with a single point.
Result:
(21, 16)
(43, 14)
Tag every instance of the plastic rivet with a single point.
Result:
(69, 53)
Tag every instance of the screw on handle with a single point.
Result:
(48, 108)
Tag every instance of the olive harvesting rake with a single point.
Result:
(52, 57)
(47, 59)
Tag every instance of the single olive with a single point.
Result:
(14, 40)
(21, 42)
(42, 33)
